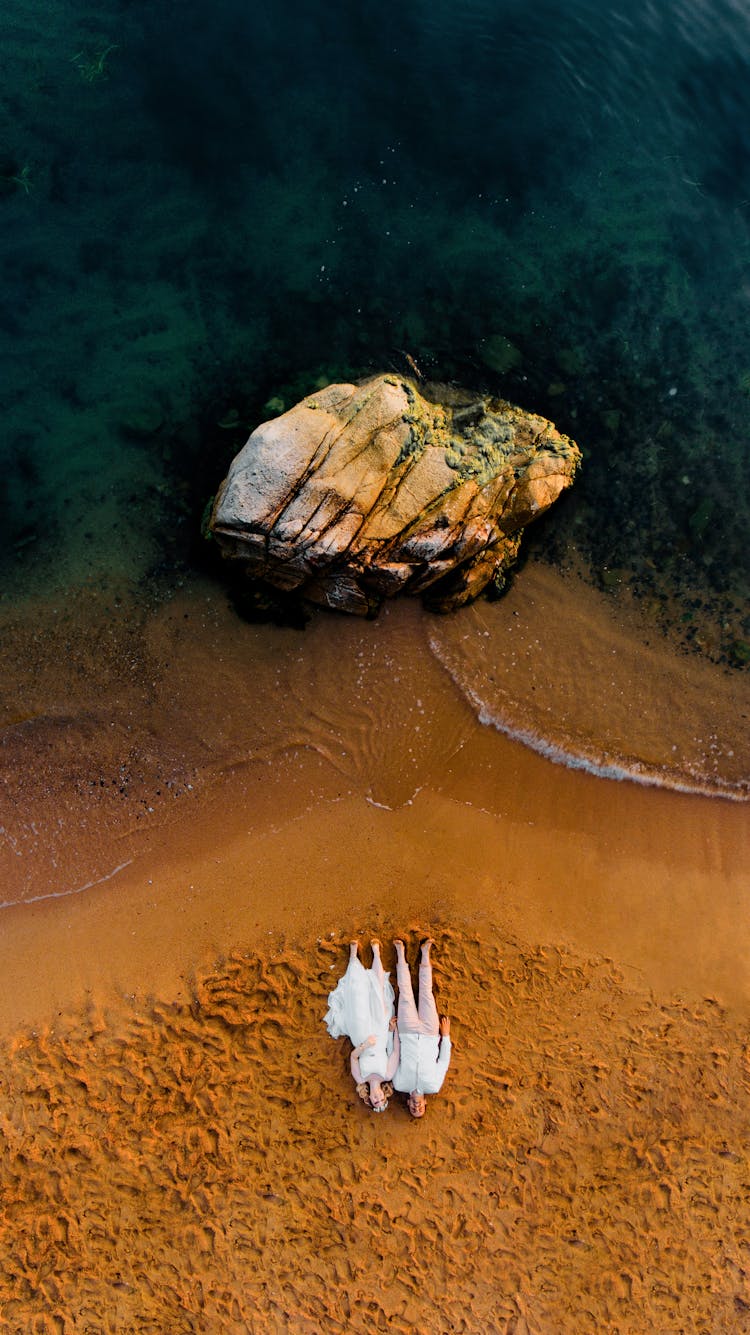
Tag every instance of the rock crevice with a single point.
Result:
(363, 491)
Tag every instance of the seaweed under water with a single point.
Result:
(237, 205)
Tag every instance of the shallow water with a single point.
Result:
(204, 209)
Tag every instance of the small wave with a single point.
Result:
(633, 770)
(618, 768)
(621, 770)
(63, 894)
(386, 806)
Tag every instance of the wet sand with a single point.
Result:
(179, 1130)
(658, 881)
(115, 712)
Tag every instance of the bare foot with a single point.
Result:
(398, 943)
(428, 941)
(353, 948)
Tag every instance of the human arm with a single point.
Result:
(394, 1058)
(390, 1035)
(444, 1054)
(356, 1054)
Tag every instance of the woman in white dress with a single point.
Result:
(362, 1007)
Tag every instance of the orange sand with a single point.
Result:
(204, 1167)
(183, 1147)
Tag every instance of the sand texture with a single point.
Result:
(113, 713)
(196, 812)
(183, 1149)
(207, 1166)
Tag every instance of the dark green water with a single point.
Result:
(205, 207)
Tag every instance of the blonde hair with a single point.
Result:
(364, 1091)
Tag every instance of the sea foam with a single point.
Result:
(563, 751)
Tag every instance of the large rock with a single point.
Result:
(364, 491)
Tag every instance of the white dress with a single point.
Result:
(361, 1004)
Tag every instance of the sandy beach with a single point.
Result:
(203, 1166)
(209, 211)
(183, 1146)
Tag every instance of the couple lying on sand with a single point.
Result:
(412, 1052)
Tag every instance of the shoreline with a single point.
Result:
(656, 881)
(604, 691)
(613, 770)
(246, 800)
(163, 1045)
(207, 724)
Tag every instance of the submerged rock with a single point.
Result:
(363, 491)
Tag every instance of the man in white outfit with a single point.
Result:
(425, 1039)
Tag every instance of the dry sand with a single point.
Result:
(183, 1148)
(205, 1166)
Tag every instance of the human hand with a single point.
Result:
(392, 1022)
(445, 1025)
(371, 1041)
